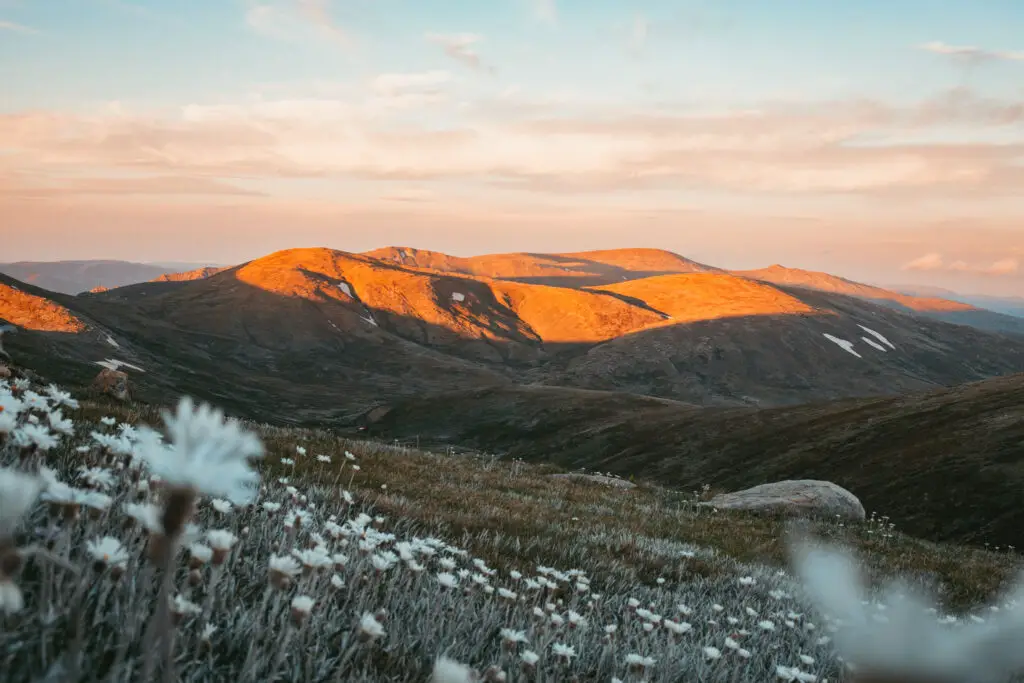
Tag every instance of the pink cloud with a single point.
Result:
(934, 261)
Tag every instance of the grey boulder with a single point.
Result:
(801, 497)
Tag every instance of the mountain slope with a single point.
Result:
(187, 275)
(569, 270)
(73, 277)
(948, 310)
(945, 465)
(331, 332)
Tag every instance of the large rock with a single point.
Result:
(112, 383)
(810, 497)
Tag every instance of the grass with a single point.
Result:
(650, 545)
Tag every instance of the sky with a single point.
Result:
(881, 140)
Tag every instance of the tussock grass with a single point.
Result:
(630, 559)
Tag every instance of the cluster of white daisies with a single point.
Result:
(329, 568)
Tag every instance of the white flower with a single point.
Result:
(285, 565)
(60, 397)
(370, 627)
(529, 657)
(181, 605)
(202, 553)
(447, 580)
(303, 603)
(59, 424)
(323, 458)
(208, 453)
(109, 551)
(35, 435)
(11, 600)
(221, 506)
(934, 652)
(18, 492)
(337, 582)
(108, 421)
(221, 539)
(314, 558)
(565, 651)
(100, 477)
(512, 636)
(208, 631)
(712, 652)
(271, 507)
(449, 671)
(639, 661)
(766, 625)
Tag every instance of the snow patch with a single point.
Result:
(369, 320)
(112, 342)
(842, 343)
(878, 336)
(458, 296)
(345, 288)
(114, 364)
(874, 344)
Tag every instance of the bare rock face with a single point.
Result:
(597, 479)
(112, 383)
(802, 497)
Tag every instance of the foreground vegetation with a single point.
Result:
(362, 561)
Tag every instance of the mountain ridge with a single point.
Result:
(333, 332)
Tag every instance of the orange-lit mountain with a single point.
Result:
(326, 333)
(577, 269)
(194, 274)
(929, 306)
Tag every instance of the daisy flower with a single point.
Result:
(208, 453)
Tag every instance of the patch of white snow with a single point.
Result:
(873, 343)
(842, 343)
(878, 336)
(458, 296)
(370, 320)
(114, 364)
(112, 342)
(345, 288)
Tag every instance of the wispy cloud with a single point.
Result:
(296, 21)
(545, 11)
(15, 186)
(840, 147)
(460, 47)
(17, 28)
(638, 33)
(970, 53)
(935, 261)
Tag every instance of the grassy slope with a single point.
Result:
(946, 465)
(513, 515)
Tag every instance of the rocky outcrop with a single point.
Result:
(112, 383)
(802, 497)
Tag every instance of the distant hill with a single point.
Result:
(578, 269)
(945, 465)
(1009, 305)
(929, 302)
(328, 333)
(187, 275)
(75, 277)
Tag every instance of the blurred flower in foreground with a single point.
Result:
(911, 644)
